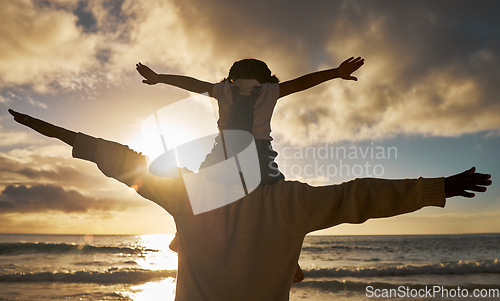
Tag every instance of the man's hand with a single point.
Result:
(349, 66)
(19, 117)
(457, 185)
(151, 77)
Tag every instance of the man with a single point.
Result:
(248, 250)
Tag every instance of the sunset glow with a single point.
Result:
(428, 90)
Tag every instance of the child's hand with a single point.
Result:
(151, 77)
(349, 66)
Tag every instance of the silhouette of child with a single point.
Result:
(252, 79)
(246, 100)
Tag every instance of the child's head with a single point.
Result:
(251, 69)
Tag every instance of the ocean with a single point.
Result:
(141, 267)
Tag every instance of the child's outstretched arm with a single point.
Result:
(180, 81)
(307, 81)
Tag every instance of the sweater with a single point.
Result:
(248, 250)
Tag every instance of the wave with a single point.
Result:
(329, 248)
(104, 263)
(133, 276)
(453, 268)
(32, 248)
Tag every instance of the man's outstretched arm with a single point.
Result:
(358, 200)
(116, 161)
(44, 128)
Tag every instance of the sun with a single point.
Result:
(159, 137)
(189, 120)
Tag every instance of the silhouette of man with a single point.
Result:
(248, 250)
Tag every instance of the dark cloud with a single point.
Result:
(40, 198)
(30, 169)
(85, 17)
(59, 173)
(7, 165)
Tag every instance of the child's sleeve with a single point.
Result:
(273, 91)
(219, 89)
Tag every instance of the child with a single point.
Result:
(246, 100)
(252, 79)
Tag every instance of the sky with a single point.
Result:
(426, 103)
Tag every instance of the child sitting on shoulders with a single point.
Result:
(246, 99)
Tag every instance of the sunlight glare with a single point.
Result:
(178, 124)
(161, 290)
(164, 259)
(157, 256)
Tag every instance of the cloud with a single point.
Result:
(13, 138)
(428, 71)
(27, 166)
(43, 190)
(430, 66)
(40, 198)
(42, 46)
(62, 45)
(4, 100)
(52, 165)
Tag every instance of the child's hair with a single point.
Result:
(251, 69)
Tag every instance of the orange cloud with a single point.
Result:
(42, 45)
